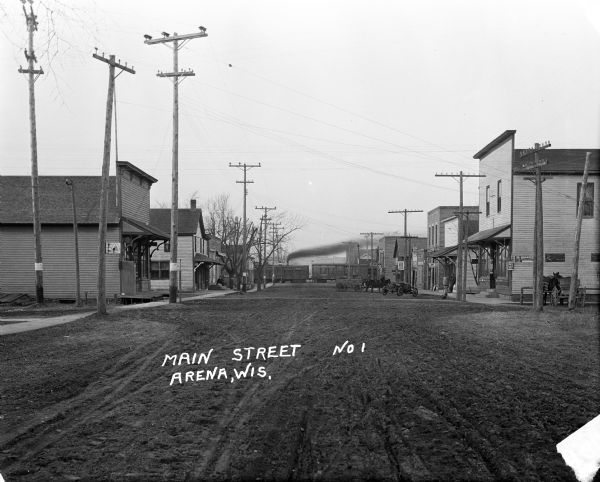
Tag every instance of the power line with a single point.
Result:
(173, 42)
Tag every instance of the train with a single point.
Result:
(316, 273)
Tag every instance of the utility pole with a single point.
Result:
(404, 212)
(33, 75)
(275, 244)
(69, 182)
(245, 168)
(575, 269)
(538, 246)
(175, 42)
(275, 240)
(460, 288)
(112, 64)
(264, 217)
(371, 263)
(465, 249)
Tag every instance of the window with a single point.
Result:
(159, 269)
(499, 196)
(487, 200)
(167, 246)
(436, 234)
(588, 200)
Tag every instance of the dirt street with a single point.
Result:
(423, 389)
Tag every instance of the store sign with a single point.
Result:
(554, 257)
(523, 259)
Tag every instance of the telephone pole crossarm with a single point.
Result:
(33, 74)
(538, 234)
(371, 263)
(264, 219)
(245, 168)
(461, 279)
(405, 212)
(175, 42)
(174, 38)
(104, 183)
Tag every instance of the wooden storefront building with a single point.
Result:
(129, 235)
(506, 222)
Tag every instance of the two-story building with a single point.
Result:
(442, 239)
(195, 257)
(129, 234)
(506, 222)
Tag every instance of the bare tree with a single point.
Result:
(287, 225)
(65, 29)
(220, 221)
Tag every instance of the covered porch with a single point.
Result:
(494, 248)
(204, 271)
(138, 240)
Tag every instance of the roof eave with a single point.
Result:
(495, 143)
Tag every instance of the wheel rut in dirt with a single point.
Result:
(95, 402)
(216, 457)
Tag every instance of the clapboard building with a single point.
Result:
(195, 257)
(506, 223)
(129, 236)
(442, 239)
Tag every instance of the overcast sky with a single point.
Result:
(351, 107)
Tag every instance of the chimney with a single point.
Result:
(193, 203)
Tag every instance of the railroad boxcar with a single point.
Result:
(287, 273)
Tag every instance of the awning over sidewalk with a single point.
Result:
(493, 234)
(449, 252)
(137, 228)
(203, 259)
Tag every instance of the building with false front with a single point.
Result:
(199, 265)
(129, 235)
(506, 223)
(396, 258)
(442, 240)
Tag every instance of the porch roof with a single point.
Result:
(444, 252)
(204, 259)
(501, 232)
(137, 228)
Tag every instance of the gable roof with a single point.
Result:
(560, 161)
(127, 166)
(495, 143)
(187, 221)
(55, 200)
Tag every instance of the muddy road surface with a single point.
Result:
(253, 387)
